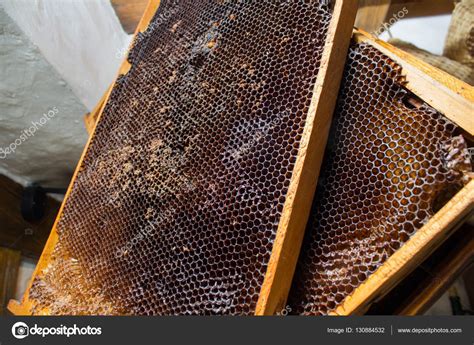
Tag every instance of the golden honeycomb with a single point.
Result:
(391, 162)
(177, 202)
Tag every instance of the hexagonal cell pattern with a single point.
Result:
(390, 163)
(177, 202)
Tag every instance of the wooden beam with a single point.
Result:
(17, 233)
(431, 279)
(9, 264)
(447, 94)
(469, 282)
(411, 254)
(423, 8)
(90, 119)
(372, 14)
(415, 8)
(129, 13)
(443, 274)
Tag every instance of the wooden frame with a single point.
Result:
(129, 12)
(302, 187)
(454, 259)
(447, 94)
(422, 288)
(455, 99)
(374, 13)
(91, 118)
(417, 249)
(281, 266)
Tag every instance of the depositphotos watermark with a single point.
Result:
(28, 133)
(21, 330)
(395, 18)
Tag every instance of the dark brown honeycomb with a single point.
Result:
(390, 159)
(178, 199)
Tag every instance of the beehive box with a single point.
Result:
(193, 192)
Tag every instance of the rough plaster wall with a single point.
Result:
(78, 47)
(82, 39)
(30, 87)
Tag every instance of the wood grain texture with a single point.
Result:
(17, 233)
(443, 274)
(415, 8)
(91, 118)
(372, 14)
(9, 264)
(423, 287)
(411, 254)
(24, 307)
(447, 94)
(286, 248)
(421, 8)
(129, 13)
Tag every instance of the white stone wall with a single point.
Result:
(29, 88)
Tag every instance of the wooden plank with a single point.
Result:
(452, 263)
(129, 13)
(421, 8)
(300, 194)
(372, 14)
(432, 278)
(9, 264)
(90, 119)
(17, 233)
(24, 307)
(447, 94)
(412, 253)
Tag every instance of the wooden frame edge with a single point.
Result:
(24, 307)
(447, 94)
(448, 272)
(290, 233)
(415, 250)
(90, 119)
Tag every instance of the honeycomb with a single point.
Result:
(177, 202)
(391, 162)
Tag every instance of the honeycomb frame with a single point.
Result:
(454, 99)
(435, 89)
(290, 230)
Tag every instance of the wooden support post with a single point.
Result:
(9, 264)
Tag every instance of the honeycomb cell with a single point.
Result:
(377, 185)
(178, 199)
